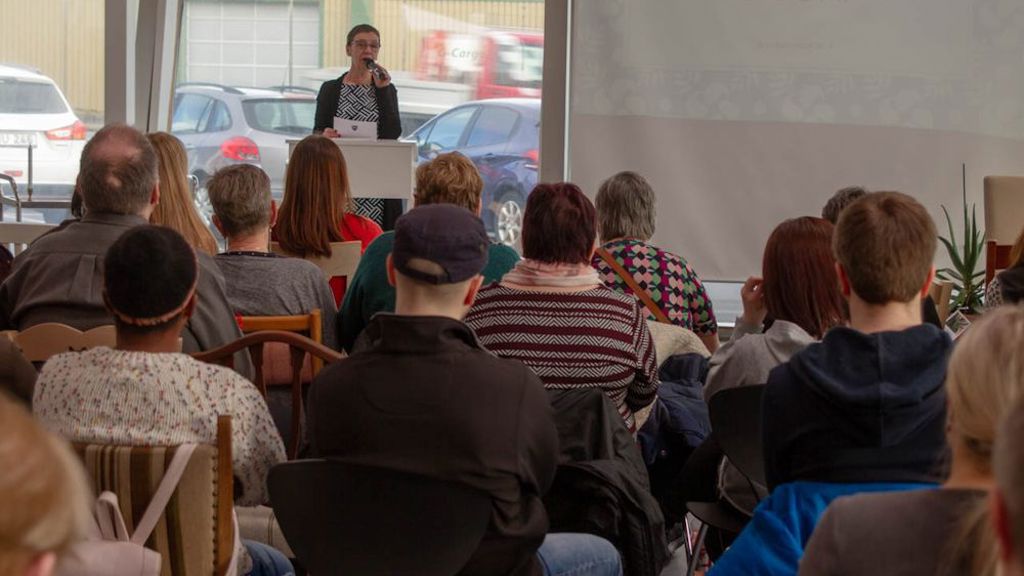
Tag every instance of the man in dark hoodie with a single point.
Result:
(864, 410)
(867, 403)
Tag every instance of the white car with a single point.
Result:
(33, 111)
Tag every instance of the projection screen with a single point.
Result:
(743, 113)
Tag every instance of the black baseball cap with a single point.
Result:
(445, 234)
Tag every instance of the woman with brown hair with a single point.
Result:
(317, 205)
(553, 312)
(176, 209)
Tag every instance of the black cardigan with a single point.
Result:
(389, 125)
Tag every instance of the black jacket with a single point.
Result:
(859, 407)
(601, 485)
(1011, 284)
(389, 125)
(420, 395)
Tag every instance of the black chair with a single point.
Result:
(736, 426)
(342, 518)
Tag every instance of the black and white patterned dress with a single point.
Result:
(358, 102)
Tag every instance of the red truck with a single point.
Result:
(496, 64)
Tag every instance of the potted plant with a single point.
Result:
(967, 279)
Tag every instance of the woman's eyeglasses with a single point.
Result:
(363, 45)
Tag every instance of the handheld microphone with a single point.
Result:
(374, 68)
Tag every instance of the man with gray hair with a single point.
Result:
(60, 277)
(1007, 501)
(259, 282)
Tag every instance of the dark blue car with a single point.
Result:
(502, 137)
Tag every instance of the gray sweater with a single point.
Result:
(749, 355)
(266, 284)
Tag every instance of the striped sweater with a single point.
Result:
(593, 338)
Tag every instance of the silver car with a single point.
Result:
(223, 125)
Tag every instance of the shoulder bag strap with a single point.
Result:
(163, 493)
(640, 293)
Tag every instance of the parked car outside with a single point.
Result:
(502, 138)
(34, 112)
(223, 125)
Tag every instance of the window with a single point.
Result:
(494, 125)
(18, 97)
(284, 116)
(189, 109)
(447, 131)
(219, 119)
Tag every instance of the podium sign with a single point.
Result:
(377, 168)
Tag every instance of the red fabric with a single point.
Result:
(353, 227)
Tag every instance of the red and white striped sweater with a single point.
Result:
(593, 338)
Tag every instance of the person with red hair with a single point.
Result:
(553, 312)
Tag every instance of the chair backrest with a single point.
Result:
(309, 325)
(39, 342)
(997, 257)
(195, 535)
(941, 292)
(298, 346)
(736, 422)
(342, 518)
(343, 261)
(1004, 208)
(17, 236)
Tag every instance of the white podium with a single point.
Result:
(377, 168)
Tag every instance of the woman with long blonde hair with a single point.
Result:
(943, 531)
(44, 493)
(317, 205)
(176, 209)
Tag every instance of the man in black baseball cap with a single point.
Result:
(419, 393)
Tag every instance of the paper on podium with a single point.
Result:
(355, 129)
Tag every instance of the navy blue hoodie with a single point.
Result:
(859, 407)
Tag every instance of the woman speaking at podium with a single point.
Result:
(363, 94)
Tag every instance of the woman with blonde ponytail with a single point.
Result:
(943, 531)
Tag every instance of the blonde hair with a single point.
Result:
(46, 497)
(176, 209)
(1009, 472)
(984, 378)
(449, 178)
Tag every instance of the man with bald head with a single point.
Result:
(60, 277)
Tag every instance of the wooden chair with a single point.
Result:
(195, 536)
(997, 257)
(19, 235)
(343, 261)
(298, 346)
(342, 518)
(309, 325)
(39, 342)
(941, 292)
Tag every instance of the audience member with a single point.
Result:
(1008, 286)
(1007, 502)
(423, 396)
(792, 298)
(144, 392)
(45, 495)
(924, 531)
(839, 201)
(865, 409)
(625, 221)
(259, 282)
(447, 179)
(60, 277)
(317, 205)
(553, 312)
(177, 209)
(799, 308)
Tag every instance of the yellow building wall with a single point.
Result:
(63, 39)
